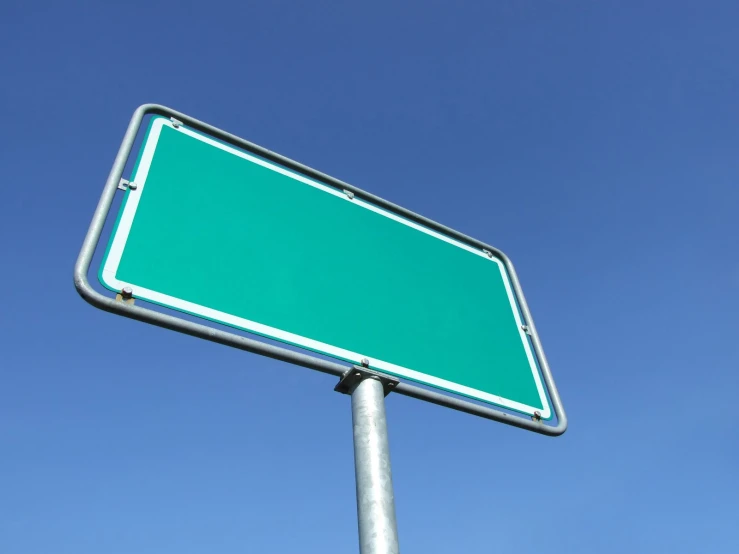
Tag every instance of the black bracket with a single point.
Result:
(352, 377)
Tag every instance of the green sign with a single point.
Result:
(220, 233)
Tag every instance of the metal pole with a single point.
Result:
(378, 530)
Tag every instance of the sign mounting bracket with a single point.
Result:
(353, 376)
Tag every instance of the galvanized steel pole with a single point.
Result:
(378, 531)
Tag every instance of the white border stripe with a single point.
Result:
(118, 244)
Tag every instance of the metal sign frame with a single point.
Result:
(139, 313)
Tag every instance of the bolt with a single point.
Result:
(357, 375)
(365, 362)
(132, 185)
(127, 292)
(488, 253)
(391, 384)
(537, 416)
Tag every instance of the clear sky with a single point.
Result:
(594, 142)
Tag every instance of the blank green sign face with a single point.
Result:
(214, 231)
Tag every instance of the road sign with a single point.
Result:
(217, 232)
(219, 228)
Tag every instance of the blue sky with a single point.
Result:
(595, 143)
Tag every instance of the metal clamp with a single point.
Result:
(349, 194)
(357, 374)
(176, 123)
(125, 184)
(126, 296)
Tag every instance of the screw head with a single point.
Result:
(537, 416)
(365, 362)
(357, 375)
(132, 185)
(127, 292)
